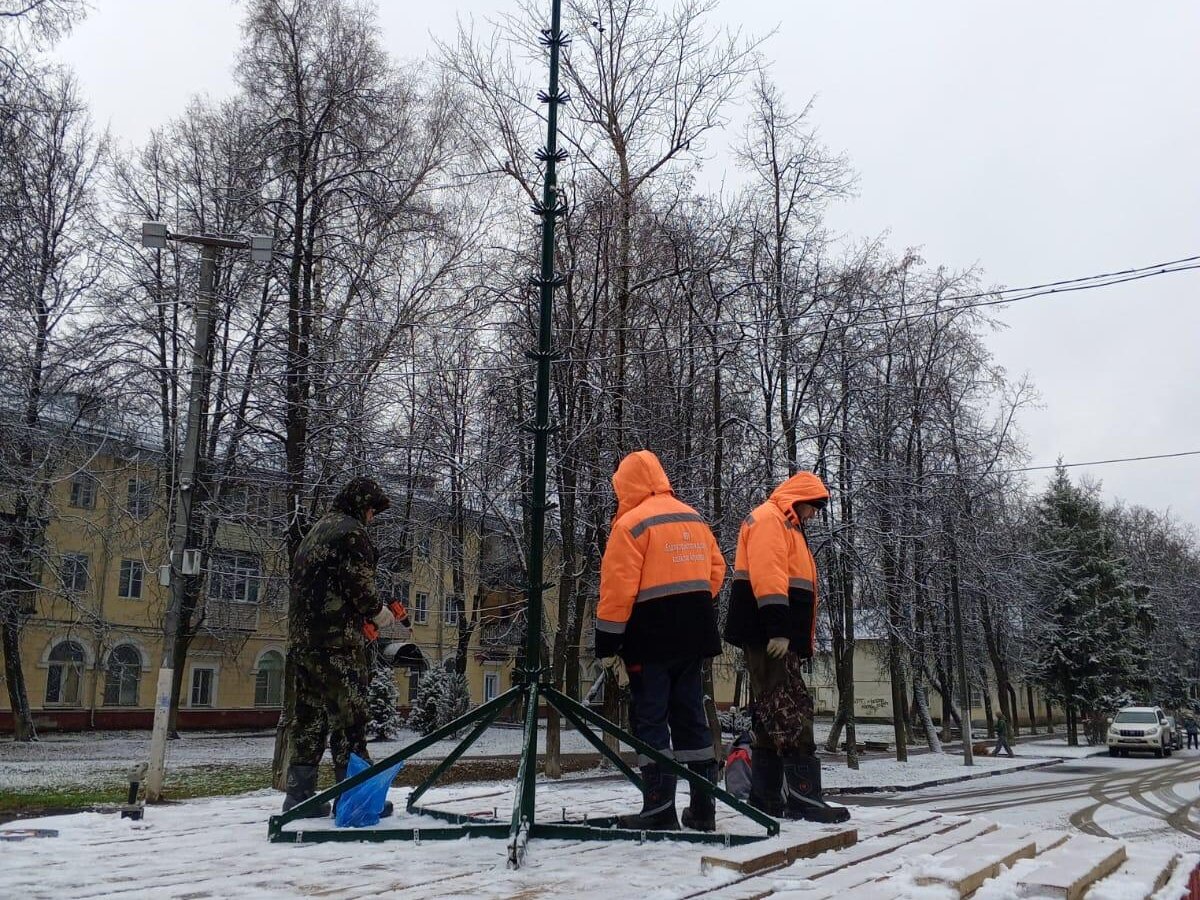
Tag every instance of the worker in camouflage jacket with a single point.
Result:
(334, 579)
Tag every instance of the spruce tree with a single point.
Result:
(442, 697)
(1095, 649)
(382, 698)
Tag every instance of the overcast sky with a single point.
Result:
(1039, 140)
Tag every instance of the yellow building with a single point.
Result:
(91, 649)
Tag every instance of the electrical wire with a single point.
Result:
(329, 367)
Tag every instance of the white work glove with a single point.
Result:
(384, 618)
(777, 647)
(615, 667)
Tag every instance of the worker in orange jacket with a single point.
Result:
(773, 618)
(655, 625)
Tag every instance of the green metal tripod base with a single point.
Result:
(523, 824)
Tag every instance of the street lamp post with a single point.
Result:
(182, 560)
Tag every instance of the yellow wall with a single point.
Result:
(98, 619)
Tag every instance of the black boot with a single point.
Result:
(803, 777)
(302, 784)
(658, 803)
(339, 775)
(701, 814)
(766, 781)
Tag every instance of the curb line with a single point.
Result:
(974, 776)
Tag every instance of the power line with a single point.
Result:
(993, 296)
(1101, 462)
(329, 367)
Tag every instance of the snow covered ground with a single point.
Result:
(94, 758)
(218, 848)
(102, 758)
(1138, 799)
(1058, 747)
(919, 769)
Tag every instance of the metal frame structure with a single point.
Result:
(530, 686)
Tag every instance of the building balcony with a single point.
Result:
(226, 616)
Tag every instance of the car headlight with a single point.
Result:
(1152, 732)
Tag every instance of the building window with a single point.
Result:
(421, 545)
(976, 698)
(83, 490)
(268, 680)
(75, 572)
(130, 583)
(420, 610)
(122, 676)
(491, 686)
(414, 685)
(65, 674)
(450, 610)
(204, 680)
(139, 497)
(234, 578)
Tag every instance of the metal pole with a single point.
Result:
(185, 495)
(553, 39)
(543, 355)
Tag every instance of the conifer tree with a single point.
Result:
(1096, 646)
(383, 697)
(442, 697)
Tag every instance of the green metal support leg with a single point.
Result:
(491, 708)
(590, 736)
(563, 703)
(458, 751)
(523, 803)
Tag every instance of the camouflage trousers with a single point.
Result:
(331, 702)
(783, 707)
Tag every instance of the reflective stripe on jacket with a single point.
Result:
(774, 590)
(660, 573)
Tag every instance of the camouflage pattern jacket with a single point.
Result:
(334, 577)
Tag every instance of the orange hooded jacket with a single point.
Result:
(660, 573)
(774, 590)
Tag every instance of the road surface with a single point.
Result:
(1134, 798)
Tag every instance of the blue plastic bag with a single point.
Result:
(361, 805)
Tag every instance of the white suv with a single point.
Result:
(1142, 729)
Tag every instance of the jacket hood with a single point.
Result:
(802, 487)
(360, 494)
(640, 475)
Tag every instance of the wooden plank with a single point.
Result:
(1148, 871)
(912, 820)
(1072, 867)
(929, 839)
(1048, 839)
(834, 875)
(966, 866)
(778, 852)
(877, 835)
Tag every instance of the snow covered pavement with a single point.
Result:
(1140, 798)
(920, 769)
(218, 848)
(102, 758)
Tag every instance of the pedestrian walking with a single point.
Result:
(773, 618)
(1003, 736)
(656, 623)
(1192, 727)
(334, 572)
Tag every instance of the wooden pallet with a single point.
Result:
(900, 855)
(1071, 868)
(779, 852)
